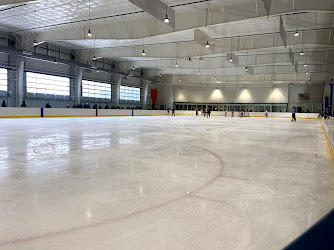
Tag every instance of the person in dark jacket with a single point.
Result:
(23, 105)
(293, 115)
(209, 113)
(4, 104)
(48, 105)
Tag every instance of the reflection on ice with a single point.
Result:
(161, 183)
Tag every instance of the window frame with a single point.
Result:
(3, 79)
(40, 83)
(95, 89)
(128, 93)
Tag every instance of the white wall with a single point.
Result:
(231, 95)
(165, 91)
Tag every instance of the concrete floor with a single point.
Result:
(161, 182)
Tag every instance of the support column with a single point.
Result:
(19, 83)
(331, 100)
(143, 95)
(78, 83)
(116, 90)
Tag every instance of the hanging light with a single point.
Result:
(305, 64)
(246, 69)
(207, 45)
(55, 61)
(257, 75)
(97, 71)
(306, 72)
(231, 60)
(166, 20)
(167, 84)
(176, 65)
(35, 43)
(160, 74)
(199, 72)
(290, 84)
(179, 80)
(308, 78)
(133, 67)
(143, 53)
(302, 53)
(297, 33)
(89, 33)
(214, 77)
(94, 58)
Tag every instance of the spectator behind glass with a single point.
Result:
(48, 105)
(23, 105)
(4, 104)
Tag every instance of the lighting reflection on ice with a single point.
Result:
(88, 214)
(128, 140)
(47, 146)
(141, 191)
(93, 140)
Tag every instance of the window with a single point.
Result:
(47, 84)
(130, 93)
(96, 89)
(3, 79)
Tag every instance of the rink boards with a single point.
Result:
(59, 112)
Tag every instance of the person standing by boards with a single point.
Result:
(293, 115)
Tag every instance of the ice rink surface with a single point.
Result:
(161, 182)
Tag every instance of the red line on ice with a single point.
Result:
(125, 216)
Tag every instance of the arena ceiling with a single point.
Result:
(121, 31)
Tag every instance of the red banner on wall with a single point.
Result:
(154, 96)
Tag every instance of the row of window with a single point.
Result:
(56, 85)
(3, 79)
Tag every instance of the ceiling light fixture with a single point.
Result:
(143, 53)
(308, 78)
(306, 72)
(305, 64)
(89, 32)
(133, 67)
(246, 69)
(214, 77)
(257, 75)
(160, 74)
(94, 58)
(179, 80)
(176, 65)
(302, 53)
(166, 20)
(198, 72)
(297, 33)
(55, 61)
(35, 43)
(207, 45)
(290, 84)
(231, 60)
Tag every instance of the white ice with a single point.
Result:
(161, 182)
